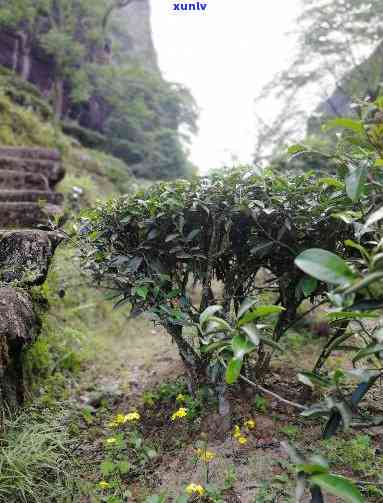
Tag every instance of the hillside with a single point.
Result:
(102, 81)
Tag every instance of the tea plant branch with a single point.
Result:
(269, 392)
(326, 351)
(276, 241)
(306, 313)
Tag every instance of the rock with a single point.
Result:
(25, 256)
(18, 328)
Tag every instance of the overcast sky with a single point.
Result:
(225, 55)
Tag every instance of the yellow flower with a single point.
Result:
(206, 456)
(242, 440)
(250, 424)
(133, 416)
(124, 418)
(103, 484)
(181, 398)
(237, 431)
(192, 489)
(181, 412)
(111, 440)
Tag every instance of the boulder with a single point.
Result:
(18, 328)
(25, 256)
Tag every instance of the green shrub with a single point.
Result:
(148, 247)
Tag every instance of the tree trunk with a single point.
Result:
(194, 365)
(58, 98)
(25, 55)
(15, 55)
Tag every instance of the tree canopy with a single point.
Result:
(339, 55)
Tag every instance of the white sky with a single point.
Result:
(225, 55)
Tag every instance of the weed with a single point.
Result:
(231, 477)
(260, 404)
(34, 459)
(357, 453)
(290, 431)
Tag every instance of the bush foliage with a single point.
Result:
(318, 237)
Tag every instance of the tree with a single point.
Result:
(146, 115)
(333, 36)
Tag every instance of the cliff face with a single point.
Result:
(133, 32)
(131, 37)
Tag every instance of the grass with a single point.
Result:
(34, 459)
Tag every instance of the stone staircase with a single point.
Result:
(28, 177)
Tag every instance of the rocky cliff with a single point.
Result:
(131, 41)
(133, 32)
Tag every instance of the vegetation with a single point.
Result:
(137, 115)
(338, 62)
(267, 284)
(148, 248)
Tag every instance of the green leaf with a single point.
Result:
(221, 323)
(152, 234)
(171, 237)
(245, 306)
(296, 149)
(260, 312)
(184, 256)
(351, 244)
(141, 291)
(107, 467)
(338, 486)
(311, 379)
(233, 370)
(193, 234)
(252, 333)
(311, 469)
(374, 217)
(347, 216)
(209, 311)
(355, 181)
(344, 123)
(370, 350)
(157, 498)
(241, 346)
(325, 266)
(331, 182)
(214, 346)
(308, 285)
(123, 467)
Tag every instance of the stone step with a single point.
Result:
(17, 180)
(31, 196)
(52, 170)
(30, 153)
(26, 214)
